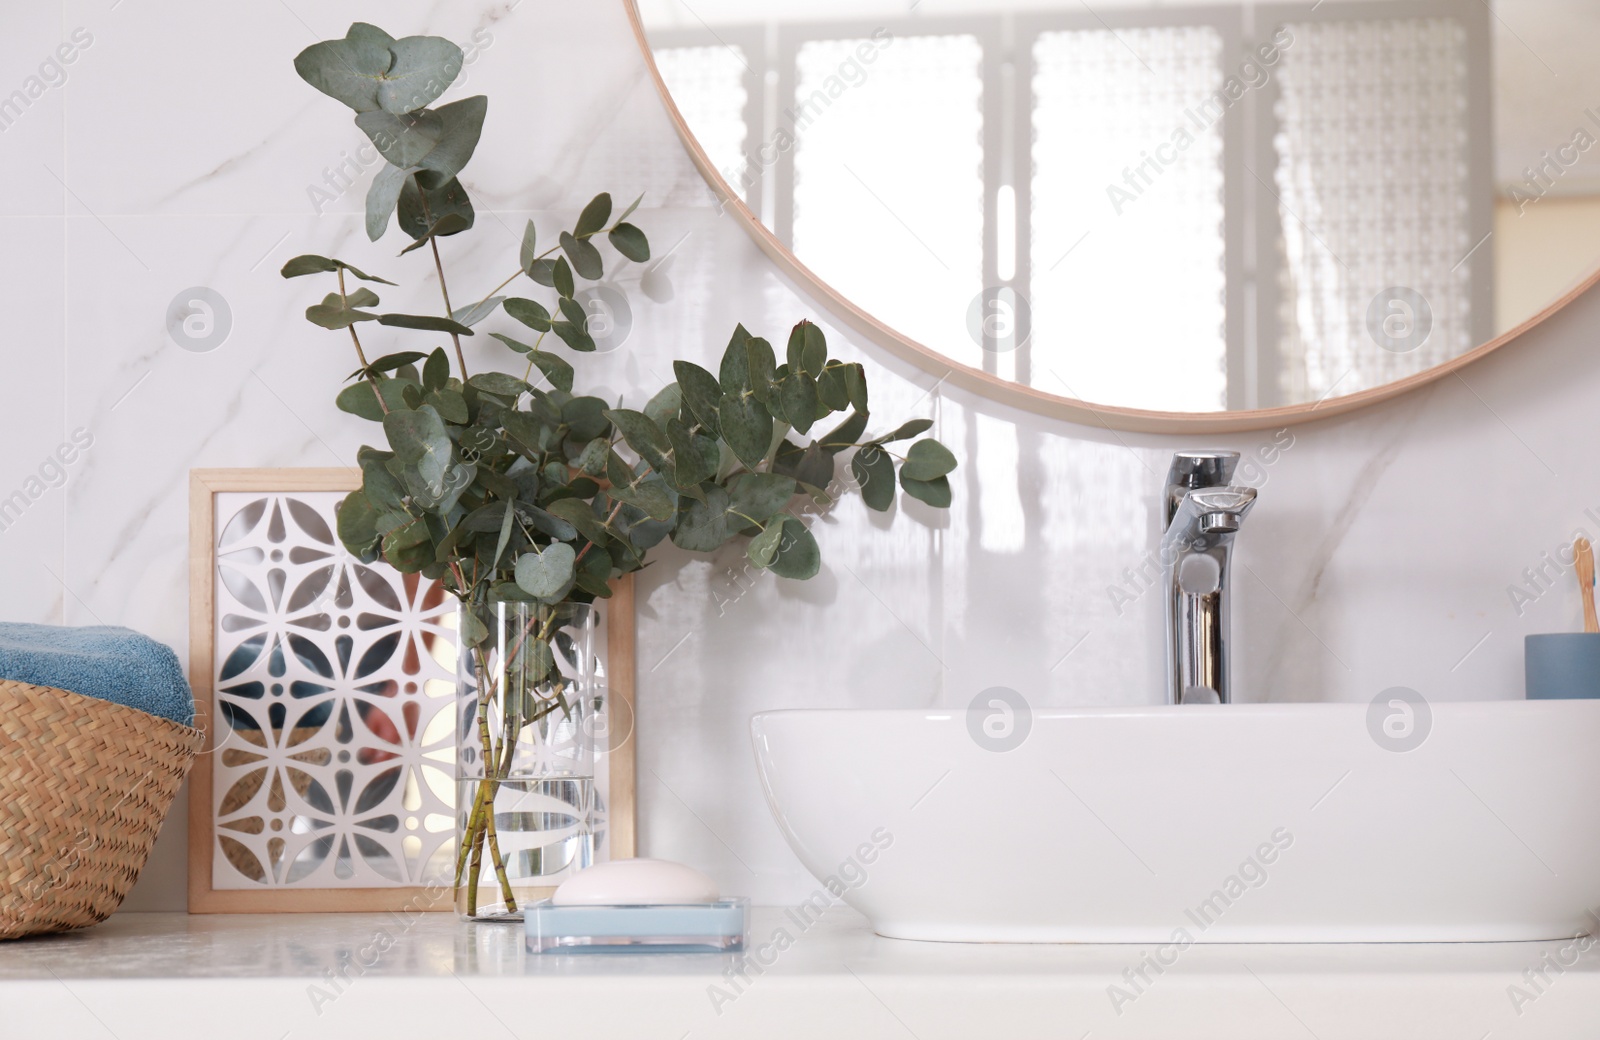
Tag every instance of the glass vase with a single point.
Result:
(525, 756)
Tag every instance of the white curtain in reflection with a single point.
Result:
(888, 192)
(1127, 256)
(1373, 180)
(708, 86)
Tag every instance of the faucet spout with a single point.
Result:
(1204, 514)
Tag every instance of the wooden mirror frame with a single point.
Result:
(1017, 395)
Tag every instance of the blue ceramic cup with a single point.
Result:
(1563, 666)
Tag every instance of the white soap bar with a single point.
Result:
(636, 882)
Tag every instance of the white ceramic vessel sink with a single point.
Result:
(1238, 823)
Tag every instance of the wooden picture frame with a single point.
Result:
(204, 487)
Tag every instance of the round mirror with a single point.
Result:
(1160, 207)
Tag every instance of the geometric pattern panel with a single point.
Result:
(335, 690)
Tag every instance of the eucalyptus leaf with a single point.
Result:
(424, 67)
(703, 525)
(594, 215)
(411, 533)
(561, 278)
(542, 270)
(425, 322)
(420, 440)
(594, 574)
(759, 496)
(630, 242)
(798, 556)
(573, 336)
(578, 513)
(874, 472)
(310, 263)
(554, 368)
(855, 382)
(573, 311)
(499, 384)
(927, 460)
(832, 387)
(798, 399)
(762, 366)
(547, 522)
(473, 631)
(592, 459)
(461, 124)
(516, 345)
(524, 429)
(349, 70)
(650, 495)
(585, 417)
(631, 207)
(666, 404)
(505, 535)
(845, 434)
(935, 492)
(529, 312)
(764, 546)
(449, 224)
(382, 196)
(436, 371)
(336, 315)
(808, 349)
(478, 311)
(904, 430)
(644, 437)
(357, 523)
(402, 139)
(390, 362)
(449, 404)
(701, 393)
(810, 465)
(584, 256)
(746, 427)
(420, 209)
(361, 399)
(694, 455)
(545, 574)
(529, 251)
(408, 559)
(734, 374)
(538, 661)
(380, 486)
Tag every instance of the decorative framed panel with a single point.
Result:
(328, 689)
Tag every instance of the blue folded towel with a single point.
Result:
(113, 664)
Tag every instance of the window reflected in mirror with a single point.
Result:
(1177, 207)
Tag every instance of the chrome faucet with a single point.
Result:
(1203, 513)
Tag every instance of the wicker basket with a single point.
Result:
(84, 786)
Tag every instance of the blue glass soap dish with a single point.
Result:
(718, 927)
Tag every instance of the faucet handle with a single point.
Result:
(1191, 470)
(1202, 468)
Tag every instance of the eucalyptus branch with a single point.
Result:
(438, 265)
(361, 355)
(542, 256)
(516, 446)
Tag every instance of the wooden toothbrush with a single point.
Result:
(1583, 560)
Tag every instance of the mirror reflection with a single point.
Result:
(1173, 206)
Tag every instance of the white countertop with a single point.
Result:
(275, 976)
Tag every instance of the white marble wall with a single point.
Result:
(179, 152)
